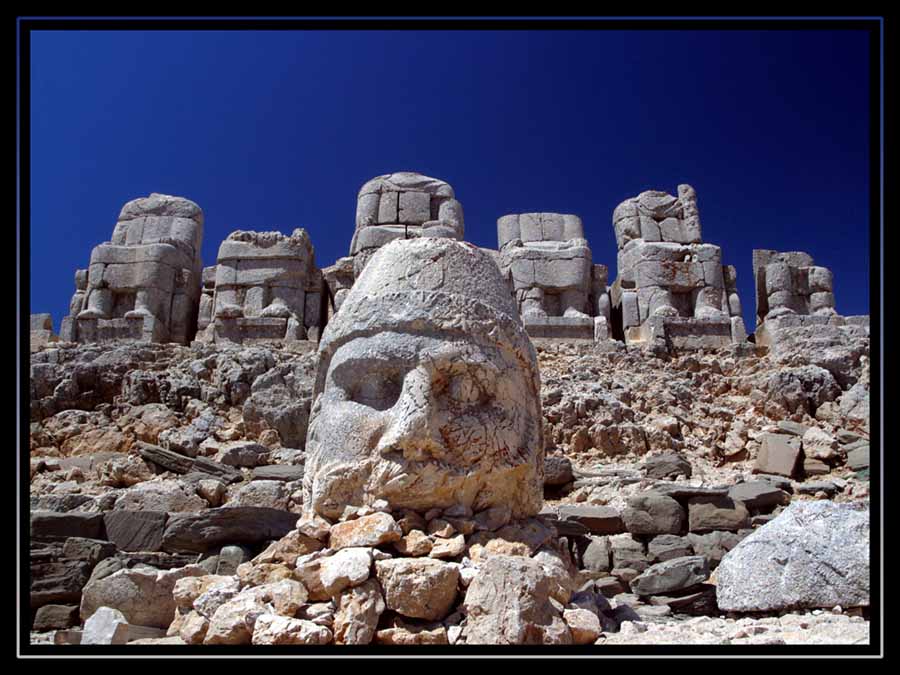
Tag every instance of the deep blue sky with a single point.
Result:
(276, 130)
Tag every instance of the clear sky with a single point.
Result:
(277, 130)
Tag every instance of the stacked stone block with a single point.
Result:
(790, 283)
(42, 331)
(558, 290)
(671, 286)
(144, 284)
(265, 286)
(401, 205)
(794, 294)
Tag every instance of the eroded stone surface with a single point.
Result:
(427, 389)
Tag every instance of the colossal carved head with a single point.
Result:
(427, 393)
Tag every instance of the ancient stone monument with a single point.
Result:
(42, 331)
(672, 288)
(427, 392)
(793, 292)
(401, 205)
(265, 286)
(145, 283)
(560, 293)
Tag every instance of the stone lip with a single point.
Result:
(814, 554)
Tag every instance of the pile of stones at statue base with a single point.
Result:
(433, 443)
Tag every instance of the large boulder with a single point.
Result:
(508, 602)
(143, 596)
(204, 530)
(814, 554)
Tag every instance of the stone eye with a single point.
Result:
(464, 388)
(376, 390)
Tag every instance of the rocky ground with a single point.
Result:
(168, 464)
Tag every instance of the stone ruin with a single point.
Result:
(558, 290)
(427, 391)
(144, 284)
(671, 287)
(264, 286)
(400, 205)
(792, 292)
(42, 331)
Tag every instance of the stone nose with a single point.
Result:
(414, 429)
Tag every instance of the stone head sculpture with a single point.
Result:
(427, 393)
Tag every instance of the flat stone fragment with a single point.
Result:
(373, 530)
(651, 513)
(815, 554)
(597, 519)
(49, 524)
(55, 617)
(759, 495)
(672, 575)
(272, 629)
(283, 472)
(858, 459)
(135, 530)
(716, 513)
(778, 454)
(204, 530)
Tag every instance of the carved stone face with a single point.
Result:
(422, 421)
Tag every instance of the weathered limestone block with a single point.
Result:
(144, 284)
(672, 289)
(402, 205)
(267, 287)
(426, 316)
(548, 264)
(789, 283)
(42, 331)
(814, 554)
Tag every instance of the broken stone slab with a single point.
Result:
(667, 546)
(815, 487)
(282, 472)
(143, 596)
(815, 554)
(779, 454)
(91, 551)
(698, 601)
(597, 519)
(167, 459)
(135, 530)
(207, 529)
(51, 525)
(858, 458)
(55, 617)
(651, 513)
(667, 465)
(793, 428)
(218, 470)
(673, 575)
(759, 495)
(109, 626)
(682, 491)
(706, 514)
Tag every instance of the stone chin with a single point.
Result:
(423, 485)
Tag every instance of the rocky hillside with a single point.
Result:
(158, 463)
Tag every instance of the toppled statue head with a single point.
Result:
(427, 393)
